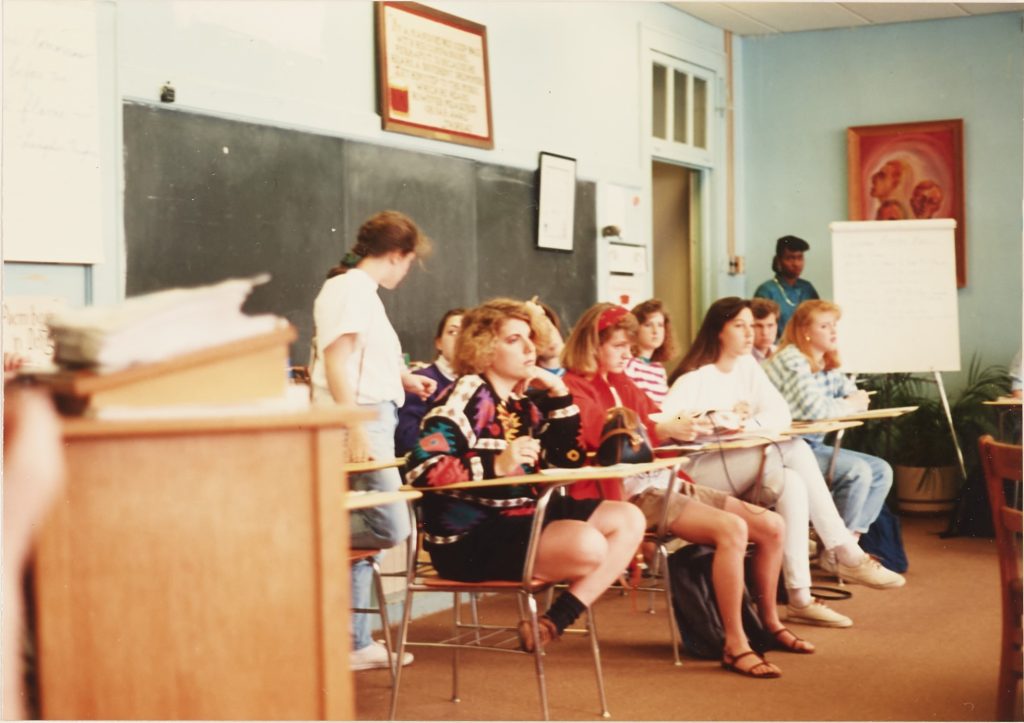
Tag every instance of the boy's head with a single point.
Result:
(789, 256)
(766, 323)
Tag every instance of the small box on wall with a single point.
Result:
(627, 259)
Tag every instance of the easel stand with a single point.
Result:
(952, 429)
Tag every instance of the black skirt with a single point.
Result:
(496, 550)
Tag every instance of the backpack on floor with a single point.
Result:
(884, 540)
(696, 611)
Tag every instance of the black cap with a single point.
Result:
(790, 243)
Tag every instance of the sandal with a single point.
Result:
(795, 645)
(545, 628)
(767, 669)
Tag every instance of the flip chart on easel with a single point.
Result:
(896, 284)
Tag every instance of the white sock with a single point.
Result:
(800, 597)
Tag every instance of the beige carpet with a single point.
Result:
(928, 651)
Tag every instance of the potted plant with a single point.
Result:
(918, 444)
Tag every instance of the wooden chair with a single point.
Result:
(475, 635)
(1003, 462)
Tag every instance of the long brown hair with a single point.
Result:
(382, 233)
(644, 309)
(594, 328)
(707, 347)
(796, 334)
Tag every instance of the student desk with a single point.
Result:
(198, 569)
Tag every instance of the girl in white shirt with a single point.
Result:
(719, 376)
(357, 359)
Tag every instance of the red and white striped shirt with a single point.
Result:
(650, 376)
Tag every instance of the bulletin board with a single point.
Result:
(896, 284)
(52, 210)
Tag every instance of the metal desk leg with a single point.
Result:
(836, 445)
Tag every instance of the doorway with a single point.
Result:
(675, 225)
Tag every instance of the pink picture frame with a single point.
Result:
(909, 171)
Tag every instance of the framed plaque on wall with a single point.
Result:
(433, 72)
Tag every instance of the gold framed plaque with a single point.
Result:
(433, 73)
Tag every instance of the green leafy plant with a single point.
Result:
(921, 438)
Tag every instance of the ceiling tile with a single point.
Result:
(904, 12)
(761, 18)
(795, 17)
(722, 16)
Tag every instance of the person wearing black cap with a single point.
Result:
(787, 289)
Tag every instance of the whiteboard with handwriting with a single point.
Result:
(51, 141)
(896, 284)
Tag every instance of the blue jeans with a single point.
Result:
(376, 527)
(860, 485)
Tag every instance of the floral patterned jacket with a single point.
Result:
(459, 441)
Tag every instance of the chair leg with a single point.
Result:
(655, 572)
(538, 654)
(475, 613)
(595, 649)
(456, 623)
(403, 631)
(670, 610)
(382, 610)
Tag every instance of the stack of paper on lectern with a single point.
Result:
(157, 326)
(173, 350)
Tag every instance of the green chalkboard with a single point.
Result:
(208, 198)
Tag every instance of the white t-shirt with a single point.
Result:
(349, 304)
(709, 388)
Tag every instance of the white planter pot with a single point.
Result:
(928, 490)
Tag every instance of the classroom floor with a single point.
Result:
(928, 651)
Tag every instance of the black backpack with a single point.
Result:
(696, 611)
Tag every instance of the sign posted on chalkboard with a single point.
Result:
(896, 284)
(433, 74)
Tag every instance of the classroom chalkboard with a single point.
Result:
(208, 198)
(895, 282)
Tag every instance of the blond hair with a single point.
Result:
(580, 352)
(474, 348)
(796, 330)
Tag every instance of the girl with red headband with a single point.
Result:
(595, 357)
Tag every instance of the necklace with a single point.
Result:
(783, 291)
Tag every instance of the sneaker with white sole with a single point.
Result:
(817, 613)
(373, 656)
(869, 572)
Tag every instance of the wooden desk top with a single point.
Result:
(822, 426)
(1005, 402)
(357, 500)
(705, 447)
(316, 416)
(887, 413)
(553, 475)
(372, 465)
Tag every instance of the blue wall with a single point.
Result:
(801, 92)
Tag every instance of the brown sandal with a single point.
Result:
(768, 670)
(545, 628)
(799, 645)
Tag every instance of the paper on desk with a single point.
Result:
(158, 326)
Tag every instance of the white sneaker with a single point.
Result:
(374, 656)
(869, 572)
(817, 613)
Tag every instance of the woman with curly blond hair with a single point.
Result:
(486, 427)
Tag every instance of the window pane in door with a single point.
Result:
(681, 116)
(659, 106)
(700, 112)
